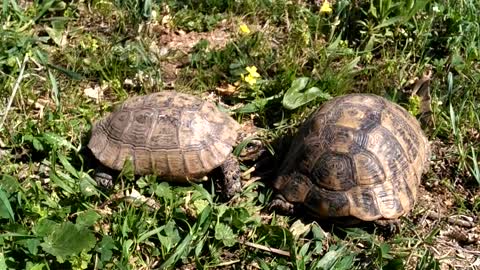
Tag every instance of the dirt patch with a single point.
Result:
(175, 46)
(449, 230)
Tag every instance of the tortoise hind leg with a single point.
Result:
(231, 171)
(392, 226)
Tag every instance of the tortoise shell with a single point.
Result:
(170, 134)
(360, 156)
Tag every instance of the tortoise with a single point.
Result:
(173, 135)
(358, 158)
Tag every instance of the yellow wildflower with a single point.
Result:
(252, 76)
(250, 79)
(253, 71)
(326, 7)
(244, 28)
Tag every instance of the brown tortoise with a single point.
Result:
(170, 134)
(359, 157)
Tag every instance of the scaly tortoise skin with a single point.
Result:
(170, 134)
(358, 157)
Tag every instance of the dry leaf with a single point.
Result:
(226, 91)
(96, 92)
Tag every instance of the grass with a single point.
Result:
(56, 57)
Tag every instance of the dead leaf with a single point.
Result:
(422, 90)
(40, 105)
(96, 92)
(226, 90)
(298, 228)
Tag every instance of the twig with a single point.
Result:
(228, 263)
(451, 220)
(251, 181)
(249, 171)
(14, 91)
(269, 249)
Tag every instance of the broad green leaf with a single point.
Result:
(199, 205)
(201, 193)
(385, 251)
(388, 22)
(3, 264)
(345, 263)
(126, 247)
(58, 141)
(294, 97)
(237, 217)
(241, 215)
(44, 227)
(304, 251)
(66, 164)
(37, 266)
(37, 144)
(329, 259)
(169, 236)
(31, 244)
(163, 190)
(6, 210)
(254, 106)
(68, 240)
(221, 209)
(87, 218)
(225, 234)
(318, 232)
(59, 181)
(87, 187)
(9, 183)
(105, 248)
(56, 35)
(147, 8)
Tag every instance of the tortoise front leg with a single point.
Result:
(103, 177)
(279, 204)
(231, 171)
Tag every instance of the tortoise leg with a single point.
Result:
(281, 205)
(231, 171)
(104, 177)
(392, 225)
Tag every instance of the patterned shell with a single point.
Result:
(359, 156)
(169, 134)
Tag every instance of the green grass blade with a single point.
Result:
(6, 204)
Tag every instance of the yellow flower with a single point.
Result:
(244, 28)
(252, 71)
(326, 7)
(250, 79)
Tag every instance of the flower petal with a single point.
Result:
(244, 28)
(326, 7)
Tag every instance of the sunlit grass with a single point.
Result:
(280, 62)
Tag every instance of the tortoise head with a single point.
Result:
(294, 187)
